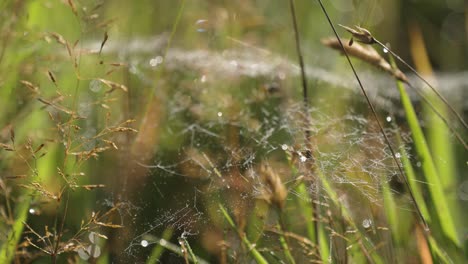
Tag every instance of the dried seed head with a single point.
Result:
(367, 54)
(360, 34)
(275, 191)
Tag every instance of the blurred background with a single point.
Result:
(123, 122)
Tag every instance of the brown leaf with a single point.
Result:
(113, 85)
(106, 36)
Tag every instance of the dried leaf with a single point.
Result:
(52, 77)
(31, 86)
(113, 85)
(106, 36)
(90, 187)
(360, 34)
(108, 224)
(39, 148)
(59, 38)
(12, 135)
(7, 147)
(73, 7)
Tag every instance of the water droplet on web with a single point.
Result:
(233, 63)
(203, 78)
(284, 147)
(163, 242)
(303, 158)
(156, 61)
(202, 25)
(84, 109)
(397, 155)
(95, 86)
(83, 254)
(133, 69)
(220, 114)
(389, 119)
(144, 243)
(95, 250)
(463, 191)
(93, 237)
(385, 50)
(366, 223)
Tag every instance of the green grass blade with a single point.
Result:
(255, 254)
(158, 250)
(428, 167)
(8, 249)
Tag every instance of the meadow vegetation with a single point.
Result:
(233, 131)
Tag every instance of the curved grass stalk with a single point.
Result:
(188, 249)
(255, 254)
(8, 249)
(178, 250)
(429, 168)
(159, 249)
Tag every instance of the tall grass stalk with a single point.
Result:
(253, 251)
(158, 250)
(430, 171)
(8, 249)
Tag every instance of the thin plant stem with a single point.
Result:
(255, 254)
(434, 109)
(374, 113)
(305, 97)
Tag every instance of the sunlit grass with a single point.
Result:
(186, 132)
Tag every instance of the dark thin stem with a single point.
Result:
(460, 118)
(374, 113)
(60, 232)
(305, 97)
(434, 109)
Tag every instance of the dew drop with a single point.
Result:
(163, 242)
(32, 211)
(366, 223)
(95, 86)
(303, 158)
(84, 109)
(220, 114)
(133, 69)
(156, 61)
(397, 155)
(202, 25)
(93, 237)
(418, 164)
(83, 254)
(144, 243)
(234, 63)
(284, 147)
(385, 50)
(95, 250)
(389, 119)
(203, 79)
(463, 191)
